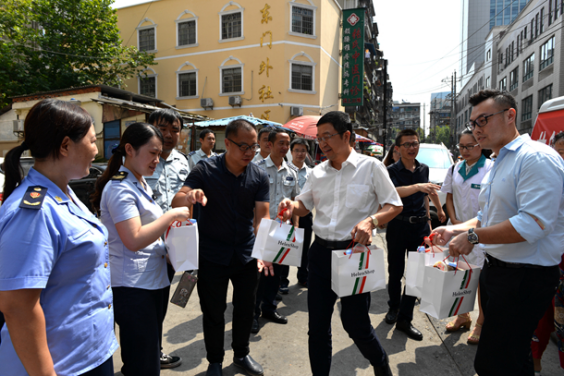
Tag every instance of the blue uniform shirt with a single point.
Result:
(168, 178)
(123, 200)
(62, 249)
(225, 224)
(526, 186)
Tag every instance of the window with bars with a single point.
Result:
(503, 84)
(302, 20)
(528, 67)
(514, 79)
(302, 77)
(148, 86)
(546, 54)
(231, 80)
(186, 33)
(147, 39)
(527, 108)
(187, 84)
(545, 94)
(231, 26)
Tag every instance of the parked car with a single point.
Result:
(83, 188)
(439, 160)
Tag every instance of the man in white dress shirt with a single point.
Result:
(345, 191)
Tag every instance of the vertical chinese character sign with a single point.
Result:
(352, 79)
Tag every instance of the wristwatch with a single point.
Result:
(472, 237)
(374, 221)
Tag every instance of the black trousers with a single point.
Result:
(140, 315)
(513, 300)
(2, 321)
(354, 316)
(170, 272)
(104, 369)
(402, 237)
(213, 280)
(305, 223)
(267, 290)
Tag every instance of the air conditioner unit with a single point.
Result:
(296, 111)
(235, 100)
(206, 103)
(18, 125)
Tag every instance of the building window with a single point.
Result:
(187, 84)
(186, 33)
(528, 67)
(537, 25)
(547, 54)
(556, 9)
(231, 80)
(542, 20)
(503, 84)
(147, 39)
(527, 108)
(231, 25)
(302, 77)
(514, 79)
(302, 20)
(148, 86)
(488, 82)
(489, 55)
(549, 12)
(545, 94)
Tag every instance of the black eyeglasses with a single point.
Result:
(244, 147)
(408, 145)
(467, 147)
(482, 120)
(326, 138)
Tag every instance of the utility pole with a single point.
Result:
(385, 103)
(454, 129)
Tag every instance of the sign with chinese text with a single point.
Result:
(352, 79)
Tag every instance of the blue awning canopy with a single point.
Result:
(223, 122)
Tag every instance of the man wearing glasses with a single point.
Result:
(407, 231)
(520, 226)
(231, 193)
(345, 192)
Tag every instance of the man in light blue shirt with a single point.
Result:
(521, 228)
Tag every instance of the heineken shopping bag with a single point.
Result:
(449, 293)
(279, 243)
(181, 240)
(415, 269)
(354, 272)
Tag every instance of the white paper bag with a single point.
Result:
(449, 293)
(181, 240)
(415, 270)
(357, 273)
(279, 243)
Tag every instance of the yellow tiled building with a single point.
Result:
(275, 59)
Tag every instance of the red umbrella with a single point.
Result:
(305, 126)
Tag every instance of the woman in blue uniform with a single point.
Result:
(135, 224)
(54, 277)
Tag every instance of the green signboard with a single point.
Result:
(352, 79)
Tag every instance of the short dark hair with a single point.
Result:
(234, 126)
(274, 132)
(466, 131)
(558, 137)
(406, 132)
(165, 116)
(264, 130)
(340, 121)
(502, 98)
(299, 141)
(204, 133)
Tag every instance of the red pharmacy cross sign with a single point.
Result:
(352, 79)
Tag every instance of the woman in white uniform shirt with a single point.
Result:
(462, 186)
(135, 224)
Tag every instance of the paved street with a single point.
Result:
(282, 349)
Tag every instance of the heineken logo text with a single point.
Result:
(288, 244)
(461, 293)
(362, 273)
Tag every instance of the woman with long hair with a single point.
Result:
(135, 224)
(462, 186)
(392, 157)
(54, 275)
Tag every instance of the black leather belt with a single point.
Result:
(492, 261)
(413, 219)
(333, 244)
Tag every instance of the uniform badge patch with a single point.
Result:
(120, 176)
(33, 198)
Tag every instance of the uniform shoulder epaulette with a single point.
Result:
(192, 153)
(293, 167)
(120, 176)
(185, 156)
(33, 198)
(262, 161)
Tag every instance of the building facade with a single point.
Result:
(405, 115)
(525, 59)
(441, 106)
(274, 60)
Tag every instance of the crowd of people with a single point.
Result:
(66, 275)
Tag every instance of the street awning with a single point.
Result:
(223, 122)
(360, 138)
(305, 126)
